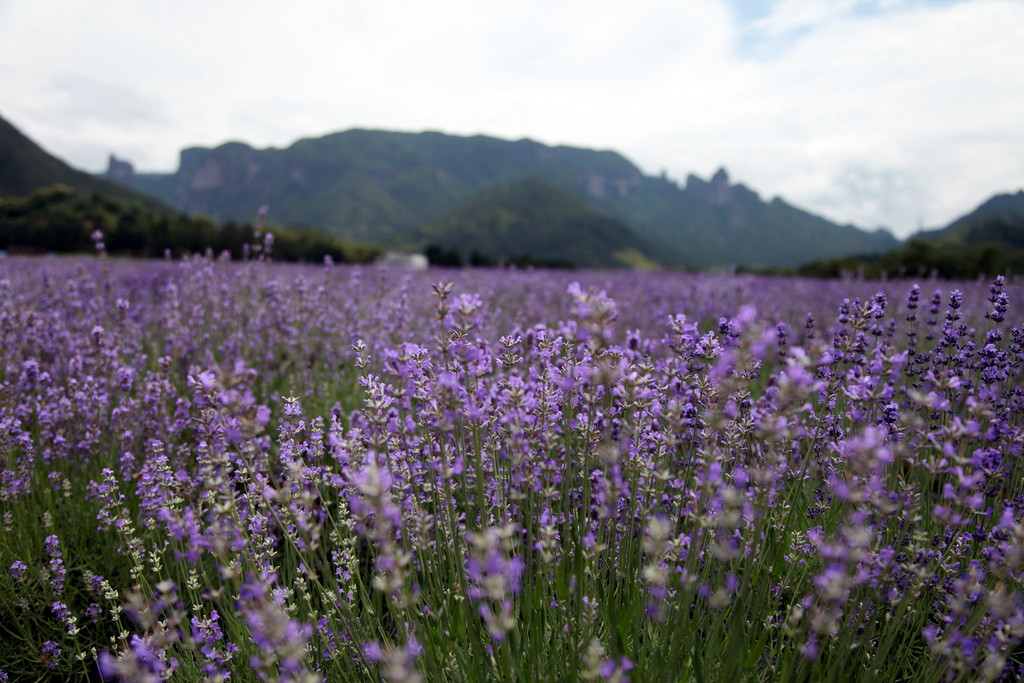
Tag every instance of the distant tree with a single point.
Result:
(446, 258)
(478, 259)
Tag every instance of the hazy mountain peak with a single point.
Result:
(719, 192)
(119, 171)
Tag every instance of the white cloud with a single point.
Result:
(928, 94)
(788, 16)
(880, 112)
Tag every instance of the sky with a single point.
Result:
(896, 113)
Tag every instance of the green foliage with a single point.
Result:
(58, 219)
(921, 258)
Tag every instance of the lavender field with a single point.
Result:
(259, 472)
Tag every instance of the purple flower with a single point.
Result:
(398, 663)
(810, 648)
(281, 640)
(17, 569)
(51, 654)
(57, 571)
(64, 616)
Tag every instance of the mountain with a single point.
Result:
(987, 241)
(717, 223)
(383, 187)
(998, 221)
(25, 166)
(535, 221)
(47, 206)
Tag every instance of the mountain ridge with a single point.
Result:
(382, 186)
(988, 240)
(25, 166)
(994, 220)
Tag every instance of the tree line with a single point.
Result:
(920, 258)
(57, 219)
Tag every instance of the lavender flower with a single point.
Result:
(51, 653)
(513, 475)
(397, 664)
(494, 578)
(18, 568)
(282, 641)
(57, 571)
